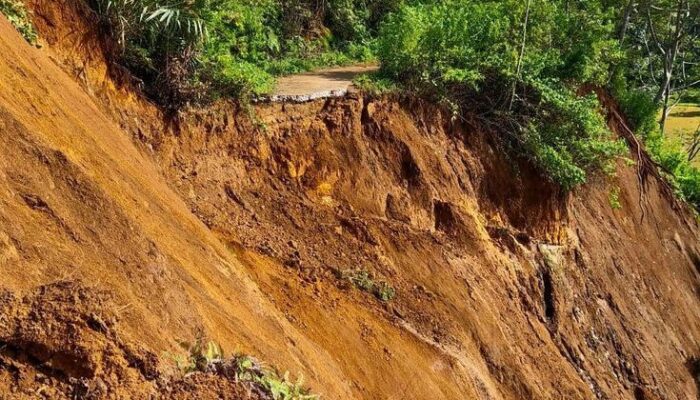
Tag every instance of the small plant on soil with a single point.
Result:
(16, 12)
(384, 292)
(614, 198)
(278, 387)
(208, 357)
(364, 281)
(200, 356)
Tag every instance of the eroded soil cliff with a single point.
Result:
(247, 223)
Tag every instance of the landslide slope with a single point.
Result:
(249, 226)
(79, 202)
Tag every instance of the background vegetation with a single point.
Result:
(192, 50)
(518, 65)
(468, 54)
(16, 12)
(524, 67)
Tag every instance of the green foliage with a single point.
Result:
(366, 282)
(207, 356)
(670, 153)
(692, 95)
(476, 53)
(160, 42)
(614, 198)
(201, 49)
(356, 21)
(18, 15)
(280, 387)
(570, 136)
(200, 355)
(384, 292)
(375, 84)
(639, 107)
(673, 158)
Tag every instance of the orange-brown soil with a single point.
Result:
(243, 225)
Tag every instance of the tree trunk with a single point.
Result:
(664, 114)
(521, 55)
(622, 32)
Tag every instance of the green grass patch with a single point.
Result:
(376, 84)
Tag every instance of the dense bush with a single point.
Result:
(519, 65)
(199, 49)
(671, 154)
(159, 41)
(469, 54)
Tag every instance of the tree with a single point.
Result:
(662, 36)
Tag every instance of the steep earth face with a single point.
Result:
(248, 227)
(519, 291)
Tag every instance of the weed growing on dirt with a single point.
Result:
(279, 387)
(375, 84)
(614, 198)
(364, 281)
(18, 15)
(384, 291)
(208, 357)
(200, 356)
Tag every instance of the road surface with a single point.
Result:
(331, 82)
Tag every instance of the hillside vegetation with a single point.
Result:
(520, 65)
(415, 240)
(196, 50)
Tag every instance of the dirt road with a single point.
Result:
(309, 86)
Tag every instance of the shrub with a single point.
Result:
(375, 84)
(201, 49)
(208, 357)
(366, 282)
(160, 41)
(673, 159)
(357, 21)
(475, 54)
(670, 153)
(16, 12)
(384, 292)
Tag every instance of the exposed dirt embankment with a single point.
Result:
(249, 224)
(517, 290)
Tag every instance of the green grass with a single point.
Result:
(376, 84)
(682, 123)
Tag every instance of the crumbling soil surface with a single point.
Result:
(246, 226)
(63, 341)
(519, 290)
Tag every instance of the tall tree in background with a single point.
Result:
(661, 37)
